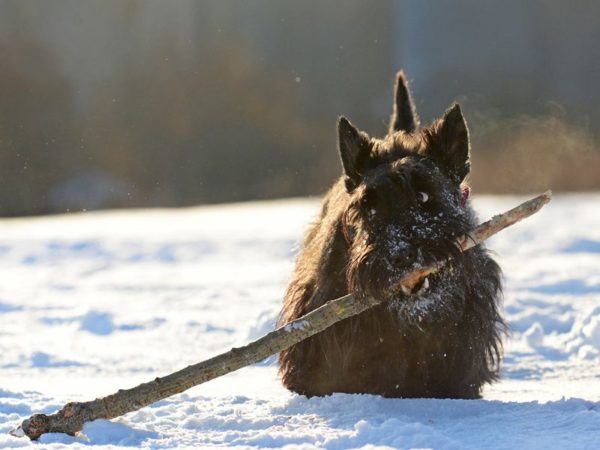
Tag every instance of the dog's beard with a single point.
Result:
(439, 296)
(441, 299)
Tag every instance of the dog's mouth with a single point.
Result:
(421, 288)
(418, 289)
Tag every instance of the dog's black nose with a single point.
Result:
(404, 256)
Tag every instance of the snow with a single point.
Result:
(91, 303)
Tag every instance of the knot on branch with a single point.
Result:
(36, 425)
(68, 420)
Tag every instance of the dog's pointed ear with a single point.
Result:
(354, 147)
(404, 117)
(450, 146)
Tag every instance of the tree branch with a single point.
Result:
(71, 418)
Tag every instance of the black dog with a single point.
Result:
(400, 203)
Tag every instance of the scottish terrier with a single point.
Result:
(400, 203)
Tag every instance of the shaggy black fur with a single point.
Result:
(400, 203)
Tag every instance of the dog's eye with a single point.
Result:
(366, 200)
(422, 197)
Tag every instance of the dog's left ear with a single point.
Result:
(450, 145)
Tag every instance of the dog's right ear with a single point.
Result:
(404, 117)
(354, 147)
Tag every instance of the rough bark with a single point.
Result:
(71, 418)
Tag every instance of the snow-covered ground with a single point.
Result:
(90, 303)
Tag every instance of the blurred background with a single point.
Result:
(126, 103)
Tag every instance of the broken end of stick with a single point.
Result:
(17, 432)
(536, 203)
(528, 208)
(532, 206)
(547, 196)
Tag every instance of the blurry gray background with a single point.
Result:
(117, 103)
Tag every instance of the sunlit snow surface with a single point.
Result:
(91, 303)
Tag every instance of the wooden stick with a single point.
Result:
(71, 418)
